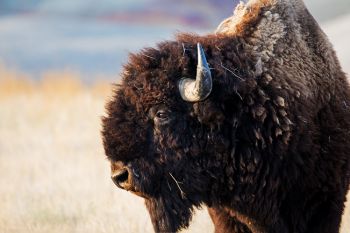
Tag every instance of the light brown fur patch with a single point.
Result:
(244, 16)
(260, 24)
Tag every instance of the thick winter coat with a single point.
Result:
(252, 121)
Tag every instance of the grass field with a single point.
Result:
(53, 175)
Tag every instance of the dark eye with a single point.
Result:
(161, 115)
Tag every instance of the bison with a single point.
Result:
(252, 121)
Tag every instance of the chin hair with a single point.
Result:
(170, 211)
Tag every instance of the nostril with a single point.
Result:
(121, 177)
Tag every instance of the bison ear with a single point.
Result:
(200, 88)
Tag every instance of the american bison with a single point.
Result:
(252, 122)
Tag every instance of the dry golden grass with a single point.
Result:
(54, 177)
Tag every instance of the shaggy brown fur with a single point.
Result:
(268, 151)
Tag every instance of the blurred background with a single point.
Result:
(58, 59)
(94, 37)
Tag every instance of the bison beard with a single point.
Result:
(171, 207)
(169, 212)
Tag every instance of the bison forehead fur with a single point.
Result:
(266, 151)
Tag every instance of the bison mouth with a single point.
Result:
(135, 189)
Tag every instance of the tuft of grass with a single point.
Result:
(54, 175)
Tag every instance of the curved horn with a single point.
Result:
(199, 89)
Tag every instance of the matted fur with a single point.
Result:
(267, 151)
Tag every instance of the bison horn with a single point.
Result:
(199, 89)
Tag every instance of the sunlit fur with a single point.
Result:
(267, 151)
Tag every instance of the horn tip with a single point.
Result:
(199, 48)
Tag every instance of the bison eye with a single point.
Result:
(162, 115)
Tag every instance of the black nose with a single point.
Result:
(121, 178)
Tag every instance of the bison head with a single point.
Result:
(168, 130)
